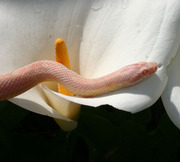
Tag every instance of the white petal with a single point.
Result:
(29, 29)
(69, 109)
(171, 95)
(132, 99)
(114, 37)
(35, 101)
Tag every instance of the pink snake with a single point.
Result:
(21, 80)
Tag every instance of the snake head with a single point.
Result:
(148, 69)
(140, 71)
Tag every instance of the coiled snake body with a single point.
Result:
(21, 80)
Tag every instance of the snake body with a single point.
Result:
(21, 80)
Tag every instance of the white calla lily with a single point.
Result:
(101, 36)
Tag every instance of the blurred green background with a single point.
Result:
(103, 134)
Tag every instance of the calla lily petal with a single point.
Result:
(145, 95)
(36, 101)
(171, 95)
(122, 38)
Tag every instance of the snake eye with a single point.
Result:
(145, 72)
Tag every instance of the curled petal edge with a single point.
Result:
(132, 99)
(38, 104)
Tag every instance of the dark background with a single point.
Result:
(103, 134)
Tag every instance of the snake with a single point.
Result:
(19, 81)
